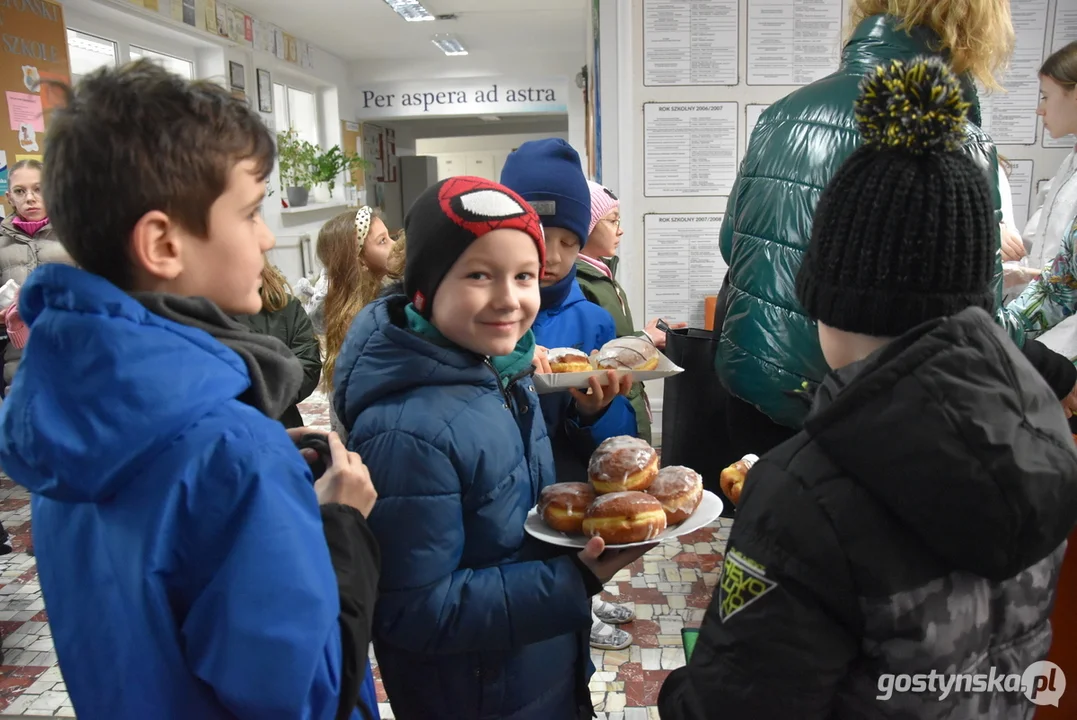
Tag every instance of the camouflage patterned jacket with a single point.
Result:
(916, 526)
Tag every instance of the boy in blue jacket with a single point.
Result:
(435, 388)
(548, 174)
(189, 568)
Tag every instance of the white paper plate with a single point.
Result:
(710, 507)
(561, 382)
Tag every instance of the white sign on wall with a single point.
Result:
(690, 149)
(684, 265)
(462, 96)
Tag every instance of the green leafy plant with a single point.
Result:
(297, 159)
(330, 164)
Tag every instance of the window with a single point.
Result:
(179, 66)
(298, 109)
(88, 53)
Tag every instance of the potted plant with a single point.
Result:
(296, 159)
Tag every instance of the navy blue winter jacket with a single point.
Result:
(577, 322)
(475, 619)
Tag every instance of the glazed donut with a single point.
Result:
(625, 517)
(680, 490)
(732, 478)
(563, 505)
(627, 353)
(622, 463)
(566, 360)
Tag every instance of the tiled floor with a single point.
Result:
(670, 588)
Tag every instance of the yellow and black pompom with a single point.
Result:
(916, 106)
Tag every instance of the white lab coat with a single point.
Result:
(1054, 217)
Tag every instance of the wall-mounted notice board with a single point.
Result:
(33, 50)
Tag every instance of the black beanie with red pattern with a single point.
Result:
(446, 219)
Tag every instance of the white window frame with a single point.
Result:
(151, 53)
(96, 36)
(282, 111)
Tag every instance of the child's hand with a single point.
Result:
(541, 361)
(598, 398)
(605, 563)
(1069, 403)
(347, 481)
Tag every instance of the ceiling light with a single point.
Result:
(410, 10)
(449, 44)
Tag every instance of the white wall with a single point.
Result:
(623, 97)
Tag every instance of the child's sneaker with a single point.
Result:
(612, 614)
(607, 637)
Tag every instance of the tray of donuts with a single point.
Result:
(628, 501)
(573, 368)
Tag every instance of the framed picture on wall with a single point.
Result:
(235, 76)
(265, 91)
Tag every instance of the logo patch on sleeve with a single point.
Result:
(743, 582)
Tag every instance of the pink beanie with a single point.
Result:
(602, 201)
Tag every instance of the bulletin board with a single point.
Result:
(351, 141)
(34, 51)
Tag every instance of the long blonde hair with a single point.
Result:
(352, 285)
(977, 34)
(275, 289)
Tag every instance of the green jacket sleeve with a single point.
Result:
(304, 343)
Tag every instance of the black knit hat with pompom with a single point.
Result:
(905, 231)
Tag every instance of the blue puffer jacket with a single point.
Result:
(166, 513)
(577, 322)
(475, 619)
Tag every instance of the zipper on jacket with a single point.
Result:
(497, 379)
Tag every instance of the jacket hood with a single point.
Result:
(952, 429)
(103, 385)
(381, 357)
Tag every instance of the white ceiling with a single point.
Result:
(491, 30)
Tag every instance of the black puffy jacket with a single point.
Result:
(916, 525)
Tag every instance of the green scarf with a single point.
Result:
(507, 366)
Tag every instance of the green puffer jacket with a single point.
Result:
(608, 294)
(769, 348)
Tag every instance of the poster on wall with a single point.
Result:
(1010, 117)
(389, 138)
(1020, 178)
(690, 149)
(674, 244)
(372, 150)
(792, 42)
(686, 42)
(40, 55)
(1065, 25)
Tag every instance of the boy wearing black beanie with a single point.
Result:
(916, 525)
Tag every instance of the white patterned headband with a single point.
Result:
(363, 217)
